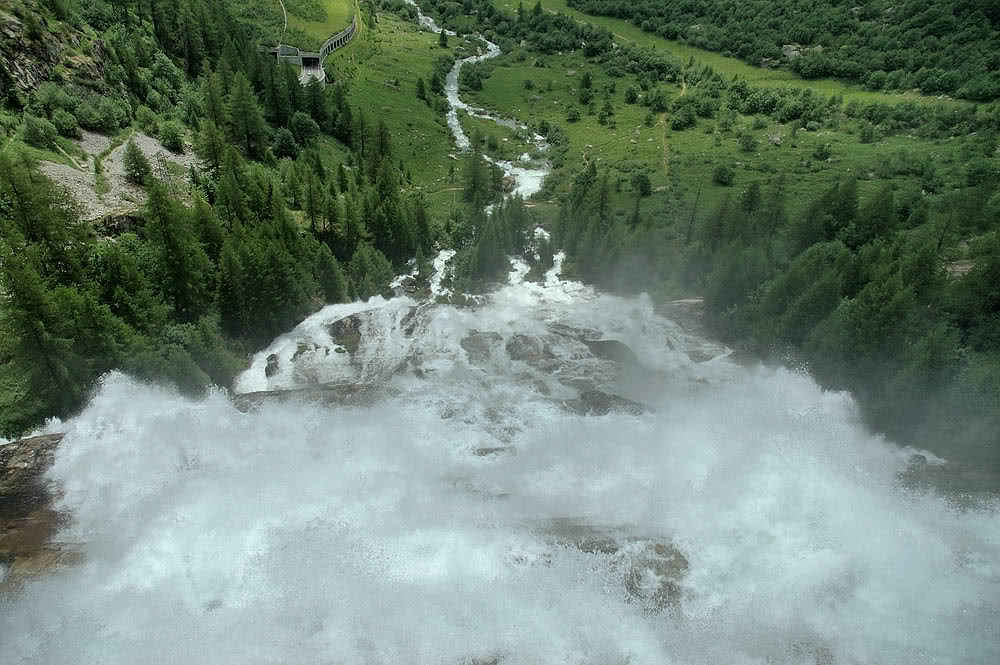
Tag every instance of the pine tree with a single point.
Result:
(314, 203)
(443, 39)
(229, 195)
(247, 128)
(137, 168)
(214, 96)
(187, 270)
(210, 146)
(421, 91)
(330, 276)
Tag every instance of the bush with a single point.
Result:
(573, 115)
(304, 128)
(100, 115)
(641, 184)
(284, 144)
(529, 84)
(822, 151)
(747, 142)
(39, 132)
(65, 123)
(172, 136)
(137, 168)
(723, 175)
(867, 133)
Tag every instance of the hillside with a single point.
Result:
(937, 47)
(675, 170)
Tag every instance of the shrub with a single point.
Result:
(172, 136)
(747, 142)
(631, 95)
(137, 168)
(722, 175)
(867, 133)
(65, 123)
(822, 151)
(573, 115)
(284, 144)
(304, 128)
(100, 115)
(641, 184)
(529, 84)
(39, 132)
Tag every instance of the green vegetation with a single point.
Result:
(821, 228)
(312, 22)
(941, 47)
(298, 200)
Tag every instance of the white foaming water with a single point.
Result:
(527, 180)
(298, 533)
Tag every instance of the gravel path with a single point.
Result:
(122, 196)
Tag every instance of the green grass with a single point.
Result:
(725, 65)
(380, 68)
(312, 22)
(693, 154)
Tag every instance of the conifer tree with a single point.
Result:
(421, 91)
(214, 96)
(187, 270)
(247, 129)
(443, 39)
(211, 147)
(330, 276)
(137, 168)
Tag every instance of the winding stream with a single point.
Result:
(528, 179)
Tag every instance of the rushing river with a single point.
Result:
(553, 476)
(460, 512)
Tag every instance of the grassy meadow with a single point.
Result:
(312, 22)
(757, 76)
(381, 68)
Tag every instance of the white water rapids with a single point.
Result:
(450, 515)
(375, 533)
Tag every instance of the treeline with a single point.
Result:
(860, 291)
(264, 231)
(940, 47)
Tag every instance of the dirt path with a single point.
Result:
(284, 29)
(663, 127)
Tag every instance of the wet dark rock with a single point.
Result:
(654, 573)
(599, 403)
(273, 363)
(527, 348)
(496, 450)
(27, 520)
(350, 394)
(653, 568)
(347, 331)
(612, 349)
(479, 346)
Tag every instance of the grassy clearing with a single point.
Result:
(312, 22)
(380, 68)
(727, 66)
(680, 164)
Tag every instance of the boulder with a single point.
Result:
(347, 331)
(343, 394)
(612, 349)
(273, 363)
(479, 345)
(654, 572)
(27, 519)
(653, 569)
(599, 403)
(527, 348)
